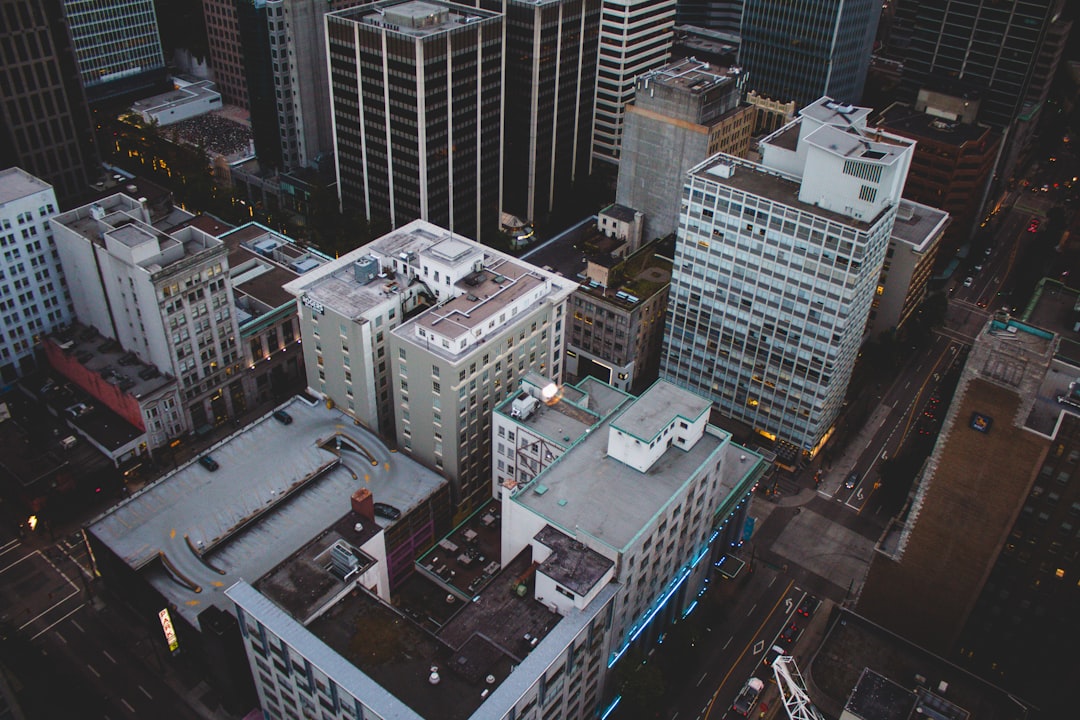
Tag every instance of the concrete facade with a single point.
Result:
(453, 364)
(908, 266)
(682, 114)
(164, 296)
(36, 300)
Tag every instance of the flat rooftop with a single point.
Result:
(692, 75)
(572, 564)
(755, 179)
(876, 697)
(486, 293)
(336, 286)
(917, 224)
(493, 647)
(826, 110)
(415, 18)
(586, 490)
(851, 143)
(277, 487)
(107, 358)
(122, 219)
(854, 644)
(905, 120)
(622, 213)
(261, 262)
(581, 408)
(16, 183)
(646, 417)
(976, 478)
(180, 95)
(635, 278)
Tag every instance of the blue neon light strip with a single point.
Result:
(611, 707)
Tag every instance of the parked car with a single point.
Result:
(387, 511)
(808, 606)
(969, 281)
(209, 463)
(283, 417)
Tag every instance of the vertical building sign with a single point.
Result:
(167, 628)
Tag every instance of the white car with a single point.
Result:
(968, 281)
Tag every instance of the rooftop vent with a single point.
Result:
(366, 269)
(524, 408)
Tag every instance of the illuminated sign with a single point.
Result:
(167, 627)
(981, 422)
(315, 305)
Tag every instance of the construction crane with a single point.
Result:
(793, 690)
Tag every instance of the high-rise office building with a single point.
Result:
(551, 49)
(301, 84)
(416, 91)
(35, 298)
(993, 47)
(164, 296)
(953, 162)
(635, 37)
(722, 15)
(226, 50)
(261, 39)
(682, 113)
(776, 267)
(45, 126)
(801, 51)
(117, 47)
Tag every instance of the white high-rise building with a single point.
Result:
(33, 297)
(776, 268)
(635, 37)
(164, 296)
(421, 333)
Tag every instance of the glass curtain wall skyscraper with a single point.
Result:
(117, 46)
(803, 50)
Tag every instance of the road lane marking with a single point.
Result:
(93, 670)
(125, 704)
(111, 658)
(704, 675)
(752, 609)
(24, 557)
(78, 626)
(712, 700)
(50, 608)
(772, 581)
(728, 642)
(35, 637)
(62, 638)
(144, 692)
